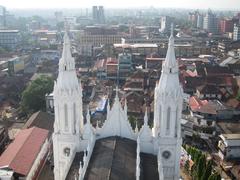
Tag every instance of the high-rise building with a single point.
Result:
(9, 38)
(236, 32)
(226, 25)
(101, 15)
(193, 18)
(95, 13)
(200, 21)
(166, 22)
(210, 22)
(3, 12)
(98, 14)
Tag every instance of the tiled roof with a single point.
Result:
(208, 89)
(196, 103)
(22, 152)
(41, 120)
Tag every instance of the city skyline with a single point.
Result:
(200, 4)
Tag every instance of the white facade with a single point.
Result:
(71, 136)
(229, 146)
(168, 102)
(236, 32)
(68, 124)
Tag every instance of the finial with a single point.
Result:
(146, 117)
(136, 128)
(88, 115)
(138, 140)
(116, 92)
(172, 29)
(108, 105)
(125, 104)
(97, 126)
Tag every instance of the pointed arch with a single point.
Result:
(65, 117)
(168, 119)
(74, 118)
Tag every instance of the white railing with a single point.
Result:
(138, 160)
(86, 158)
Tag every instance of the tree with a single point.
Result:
(133, 121)
(214, 176)
(187, 165)
(208, 170)
(33, 97)
(238, 95)
(201, 166)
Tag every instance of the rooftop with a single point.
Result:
(22, 152)
(231, 136)
(113, 158)
(41, 120)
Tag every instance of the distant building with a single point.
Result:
(236, 32)
(124, 65)
(166, 22)
(210, 22)
(2, 17)
(98, 14)
(9, 38)
(193, 18)
(229, 146)
(226, 25)
(59, 16)
(15, 65)
(200, 21)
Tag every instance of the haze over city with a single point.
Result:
(119, 89)
(200, 4)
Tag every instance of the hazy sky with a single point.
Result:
(201, 4)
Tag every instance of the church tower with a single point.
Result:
(167, 115)
(68, 123)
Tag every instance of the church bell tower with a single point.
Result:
(68, 123)
(167, 115)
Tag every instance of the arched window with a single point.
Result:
(168, 119)
(74, 118)
(66, 117)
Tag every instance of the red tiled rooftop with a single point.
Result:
(196, 103)
(22, 152)
(112, 61)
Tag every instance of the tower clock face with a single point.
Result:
(166, 154)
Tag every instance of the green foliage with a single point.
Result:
(187, 165)
(133, 121)
(238, 95)
(33, 97)
(208, 170)
(214, 176)
(201, 166)
(201, 169)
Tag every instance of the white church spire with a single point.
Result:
(68, 124)
(167, 114)
(170, 63)
(66, 62)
